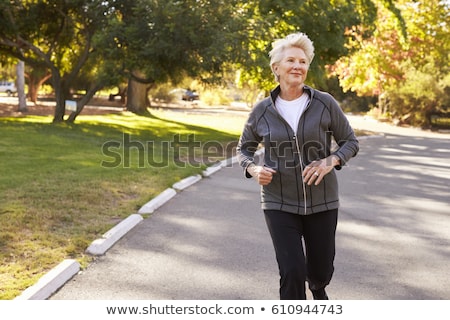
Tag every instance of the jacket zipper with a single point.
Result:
(294, 137)
(301, 169)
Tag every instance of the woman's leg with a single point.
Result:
(286, 232)
(319, 235)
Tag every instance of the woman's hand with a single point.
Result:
(262, 174)
(316, 170)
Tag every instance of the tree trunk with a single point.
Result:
(33, 90)
(60, 96)
(34, 83)
(80, 104)
(21, 86)
(137, 95)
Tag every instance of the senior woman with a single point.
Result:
(299, 193)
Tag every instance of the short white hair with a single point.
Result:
(294, 40)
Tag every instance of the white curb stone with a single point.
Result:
(186, 182)
(51, 281)
(210, 170)
(100, 246)
(158, 201)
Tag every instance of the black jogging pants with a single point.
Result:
(304, 248)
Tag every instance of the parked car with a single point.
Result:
(190, 95)
(184, 94)
(8, 86)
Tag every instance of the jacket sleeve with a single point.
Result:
(248, 142)
(343, 134)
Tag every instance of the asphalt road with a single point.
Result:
(210, 241)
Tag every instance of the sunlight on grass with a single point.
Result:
(230, 123)
(32, 119)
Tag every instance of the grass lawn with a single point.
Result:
(64, 185)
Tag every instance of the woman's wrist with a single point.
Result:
(335, 160)
(251, 169)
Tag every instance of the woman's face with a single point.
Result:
(293, 67)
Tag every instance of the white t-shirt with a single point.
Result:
(291, 111)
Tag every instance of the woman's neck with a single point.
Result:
(291, 93)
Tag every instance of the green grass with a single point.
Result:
(56, 197)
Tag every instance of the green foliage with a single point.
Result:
(419, 96)
(163, 93)
(404, 62)
(217, 96)
(7, 71)
(56, 35)
(324, 21)
(50, 33)
(168, 40)
(90, 44)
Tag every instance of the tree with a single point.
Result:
(372, 66)
(146, 42)
(425, 89)
(62, 45)
(323, 21)
(408, 70)
(160, 41)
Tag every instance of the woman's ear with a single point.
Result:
(275, 69)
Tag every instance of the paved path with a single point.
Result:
(210, 240)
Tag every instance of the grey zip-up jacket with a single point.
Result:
(321, 121)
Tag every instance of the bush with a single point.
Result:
(162, 93)
(216, 97)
